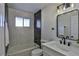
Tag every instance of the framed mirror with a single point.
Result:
(67, 25)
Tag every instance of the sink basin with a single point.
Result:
(60, 46)
(64, 49)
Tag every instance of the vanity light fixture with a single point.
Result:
(64, 6)
(58, 9)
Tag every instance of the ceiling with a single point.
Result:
(31, 7)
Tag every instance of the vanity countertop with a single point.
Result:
(63, 49)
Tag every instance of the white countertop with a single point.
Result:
(63, 49)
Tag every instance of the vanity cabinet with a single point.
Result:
(49, 52)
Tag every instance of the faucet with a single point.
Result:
(64, 40)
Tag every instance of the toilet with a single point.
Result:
(37, 51)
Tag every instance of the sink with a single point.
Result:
(60, 46)
(63, 49)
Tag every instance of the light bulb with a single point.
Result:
(72, 5)
(64, 8)
(58, 10)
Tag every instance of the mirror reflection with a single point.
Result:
(67, 25)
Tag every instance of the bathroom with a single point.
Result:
(39, 29)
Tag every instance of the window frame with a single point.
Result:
(15, 21)
(23, 21)
(29, 22)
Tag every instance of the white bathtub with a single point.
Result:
(20, 51)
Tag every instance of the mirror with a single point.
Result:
(67, 25)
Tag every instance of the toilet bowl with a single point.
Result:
(37, 51)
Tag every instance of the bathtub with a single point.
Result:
(19, 51)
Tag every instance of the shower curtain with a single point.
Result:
(6, 35)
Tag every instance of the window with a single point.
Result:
(22, 22)
(26, 22)
(19, 22)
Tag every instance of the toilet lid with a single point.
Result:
(37, 51)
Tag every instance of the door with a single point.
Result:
(37, 27)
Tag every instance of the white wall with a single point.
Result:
(2, 48)
(20, 38)
(49, 22)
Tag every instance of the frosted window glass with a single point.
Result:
(26, 22)
(38, 25)
(19, 22)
